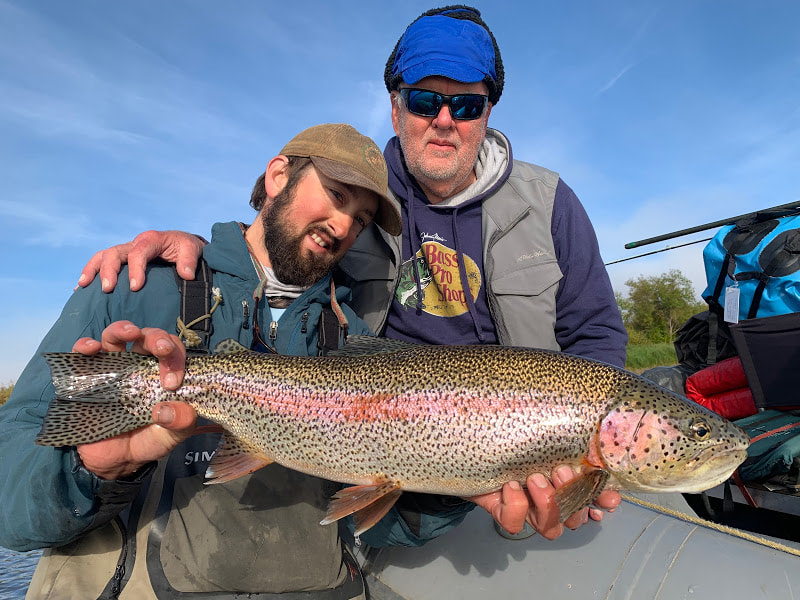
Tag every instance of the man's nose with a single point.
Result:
(444, 118)
(341, 223)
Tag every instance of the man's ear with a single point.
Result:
(396, 100)
(276, 175)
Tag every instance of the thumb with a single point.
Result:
(176, 416)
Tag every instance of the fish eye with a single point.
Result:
(700, 429)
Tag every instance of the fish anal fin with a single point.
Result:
(232, 459)
(580, 492)
(367, 504)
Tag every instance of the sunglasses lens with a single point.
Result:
(467, 107)
(424, 103)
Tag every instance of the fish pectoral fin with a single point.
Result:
(580, 492)
(234, 458)
(368, 502)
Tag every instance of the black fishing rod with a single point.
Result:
(619, 260)
(781, 210)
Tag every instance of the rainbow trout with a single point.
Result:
(387, 416)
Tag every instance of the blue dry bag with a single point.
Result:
(762, 257)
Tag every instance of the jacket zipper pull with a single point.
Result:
(273, 332)
(246, 314)
(304, 319)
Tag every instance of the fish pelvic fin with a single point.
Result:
(367, 504)
(87, 407)
(580, 492)
(234, 458)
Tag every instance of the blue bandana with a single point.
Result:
(438, 45)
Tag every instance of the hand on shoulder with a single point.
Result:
(178, 247)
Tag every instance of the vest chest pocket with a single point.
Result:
(531, 279)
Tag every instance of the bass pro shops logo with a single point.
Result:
(440, 281)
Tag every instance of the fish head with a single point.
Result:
(654, 440)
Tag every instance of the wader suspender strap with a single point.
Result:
(194, 324)
(332, 325)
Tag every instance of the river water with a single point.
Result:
(16, 570)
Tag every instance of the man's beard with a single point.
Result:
(290, 263)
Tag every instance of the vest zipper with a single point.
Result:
(245, 314)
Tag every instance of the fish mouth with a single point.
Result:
(714, 455)
(705, 470)
(710, 467)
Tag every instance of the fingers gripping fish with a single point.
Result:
(386, 416)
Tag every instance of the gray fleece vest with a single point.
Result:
(520, 265)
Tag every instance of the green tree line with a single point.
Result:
(656, 307)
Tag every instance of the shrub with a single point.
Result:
(5, 392)
(644, 356)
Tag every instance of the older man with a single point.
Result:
(493, 250)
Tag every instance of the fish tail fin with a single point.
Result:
(70, 422)
(367, 503)
(87, 407)
(85, 376)
(580, 492)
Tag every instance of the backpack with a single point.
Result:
(759, 255)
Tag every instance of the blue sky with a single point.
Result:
(116, 117)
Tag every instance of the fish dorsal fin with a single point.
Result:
(368, 502)
(92, 376)
(580, 492)
(364, 345)
(234, 458)
(230, 346)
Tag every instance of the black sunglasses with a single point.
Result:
(425, 103)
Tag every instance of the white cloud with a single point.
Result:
(614, 79)
(47, 224)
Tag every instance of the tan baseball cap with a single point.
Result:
(343, 154)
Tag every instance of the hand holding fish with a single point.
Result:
(512, 505)
(167, 348)
(124, 454)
